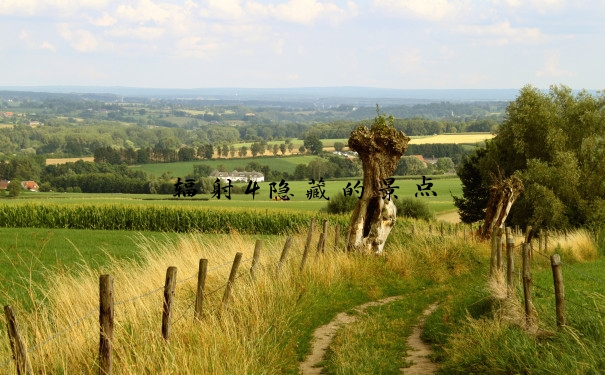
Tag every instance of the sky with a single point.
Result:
(400, 44)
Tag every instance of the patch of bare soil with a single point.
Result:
(419, 351)
(322, 337)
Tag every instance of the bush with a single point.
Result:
(414, 208)
(341, 204)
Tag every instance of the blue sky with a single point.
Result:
(403, 44)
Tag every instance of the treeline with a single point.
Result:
(410, 126)
(554, 142)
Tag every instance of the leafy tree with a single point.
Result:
(243, 151)
(313, 144)
(302, 149)
(208, 151)
(14, 188)
(300, 172)
(291, 147)
(555, 143)
(339, 146)
(275, 149)
(282, 148)
(186, 154)
(475, 192)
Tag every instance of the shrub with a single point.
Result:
(414, 208)
(341, 204)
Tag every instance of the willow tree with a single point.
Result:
(379, 149)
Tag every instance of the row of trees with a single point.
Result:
(555, 143)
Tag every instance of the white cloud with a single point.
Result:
(81, 40)
(228, 10)
(105, 20)
(551, 68)
(48, 46)
(146, 11)
(502, 33)
(31, 7)
(196, 46)
(143, 32)
(542, 6)
(304, 12)
(430, 10)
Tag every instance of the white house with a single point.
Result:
(236, 176)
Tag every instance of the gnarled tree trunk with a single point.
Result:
(501, 198)
(379, 149)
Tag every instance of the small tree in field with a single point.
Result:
(14, 189)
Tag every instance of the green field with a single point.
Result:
(181, 169)
(26, 253)
(407, 187)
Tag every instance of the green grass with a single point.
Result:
(443, 202)
(27, 253)
(284, 163)
(471, 336)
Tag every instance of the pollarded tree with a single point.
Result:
(379, 149)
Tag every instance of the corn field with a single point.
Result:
(155, 218)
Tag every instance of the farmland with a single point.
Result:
(407, 187)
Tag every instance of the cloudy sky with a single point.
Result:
(404, 44)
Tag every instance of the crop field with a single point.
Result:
(443, 202)
(68, 160)
(459, 138)
(181, 169)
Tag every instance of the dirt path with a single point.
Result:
(419, 350)
(322, 337)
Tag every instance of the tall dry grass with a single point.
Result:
(253, 335)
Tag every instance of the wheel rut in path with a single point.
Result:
(322, 337)
(419, 351)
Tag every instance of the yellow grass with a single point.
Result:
(67, 160)
(251, 336)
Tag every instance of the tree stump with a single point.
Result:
(379, 149)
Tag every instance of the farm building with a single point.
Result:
(237, 176)
(30, 185)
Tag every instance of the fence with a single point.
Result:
(526, 252)
(107, 305)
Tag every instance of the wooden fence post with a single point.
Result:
(510, 260)
(528, 236)
(527, 283)
(284, 253)
(325, 238)
(255, 257)
(201, 285)
(169, 288)
(557, 275)
(493, 259)
(501, 247)
(320, 243)
(232, 276)
(441, 230)
(336, 236)
(308, 244)
(349, 229)
(17, 346)
(106, 323)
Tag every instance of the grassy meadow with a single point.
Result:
(268, 324)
